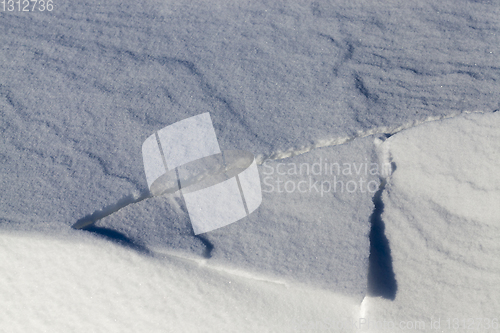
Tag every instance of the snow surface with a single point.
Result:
(79, 283)
(83, 86)
(442, 220)
(323, 237)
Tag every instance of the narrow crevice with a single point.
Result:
(381, 278)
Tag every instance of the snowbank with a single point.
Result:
(79, 283)
(442, 219)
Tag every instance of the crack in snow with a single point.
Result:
(387, 130)
(381, 278)
(88, 221)
(132, 199)
(225, 269)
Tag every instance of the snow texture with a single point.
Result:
(311, 227)
(442, 219)
(83, 86)
(77, 283)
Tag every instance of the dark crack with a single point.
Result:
(381, 278)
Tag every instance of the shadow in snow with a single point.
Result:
(89, 220)
(87, 223)
(117, 237)
(381, 279)
(208, 244)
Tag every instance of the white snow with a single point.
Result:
(83, 86)
(442, 220)
(78, 283)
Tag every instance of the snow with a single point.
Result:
(322, 229)
(82, 87)
(79, 283)
(441, 218)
